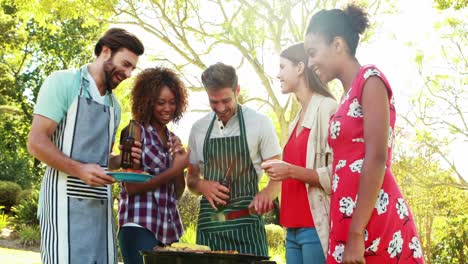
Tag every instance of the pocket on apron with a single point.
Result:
(88, 225)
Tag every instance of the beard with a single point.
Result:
(110, 72)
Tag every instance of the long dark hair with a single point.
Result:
(296, 54)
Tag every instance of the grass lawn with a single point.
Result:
(15, 256)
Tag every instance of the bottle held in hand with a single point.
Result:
(226, 182)
(127, 144)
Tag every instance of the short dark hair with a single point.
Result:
(347, 23)
(296, 54)
(118, 38)
(219, 76)
(147, 89)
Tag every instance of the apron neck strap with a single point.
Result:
(240, 116)
(84, 81)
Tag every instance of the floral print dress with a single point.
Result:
(390, 235)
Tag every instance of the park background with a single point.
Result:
(421, 46)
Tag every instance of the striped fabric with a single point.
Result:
(157, 210)
(47, 212)
(247, 234)
(58, 189)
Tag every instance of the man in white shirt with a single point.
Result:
(227, 147)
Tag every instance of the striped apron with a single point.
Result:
(77, 223)
(246, 234)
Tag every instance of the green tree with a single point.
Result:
(451, 246)
(456, 4)
(188, 34)
(429, 189)
(28, 53)
(439, 108)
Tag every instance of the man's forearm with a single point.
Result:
(273, 188)
(44, 150)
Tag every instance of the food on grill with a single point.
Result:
(187, 247)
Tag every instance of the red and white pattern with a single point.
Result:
(390, 236)
(157, 210)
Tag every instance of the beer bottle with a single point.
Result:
(127, 144)
(226, 182)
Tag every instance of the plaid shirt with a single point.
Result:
(157, 210)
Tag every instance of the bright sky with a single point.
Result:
(388, 49)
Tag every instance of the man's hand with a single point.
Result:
(94, 175)
(277, 170)
(214, 192)
(262, 202)
(354, 250)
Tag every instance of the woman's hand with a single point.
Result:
(136, 153)
(175, 145)
(277, 170)
(354, 250)
(181, 160)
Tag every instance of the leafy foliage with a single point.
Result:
(8, 193)
(456, 4)
(189, 205)
(29, 51)
(30, 235)
(25, 213)
(452, 234)
(190, 234)
(4, 219)
(431, 192)
(15, 163)
(275, 236)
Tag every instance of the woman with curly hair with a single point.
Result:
(148, 214)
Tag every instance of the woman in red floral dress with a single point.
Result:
(370, 220)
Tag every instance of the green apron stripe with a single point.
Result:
(246, 234)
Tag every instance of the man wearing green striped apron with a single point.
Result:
(75, 120)
(228, 145)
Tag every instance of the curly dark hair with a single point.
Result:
(147, 88)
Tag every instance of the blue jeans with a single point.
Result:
(303, 246)
(132, 239)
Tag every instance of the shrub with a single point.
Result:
(278, 254)
(189, 206)
(8, 194)
(3, 218)
(272, 217)
(190, 235)
(29, 235)
(275, 236)
(25, 212)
